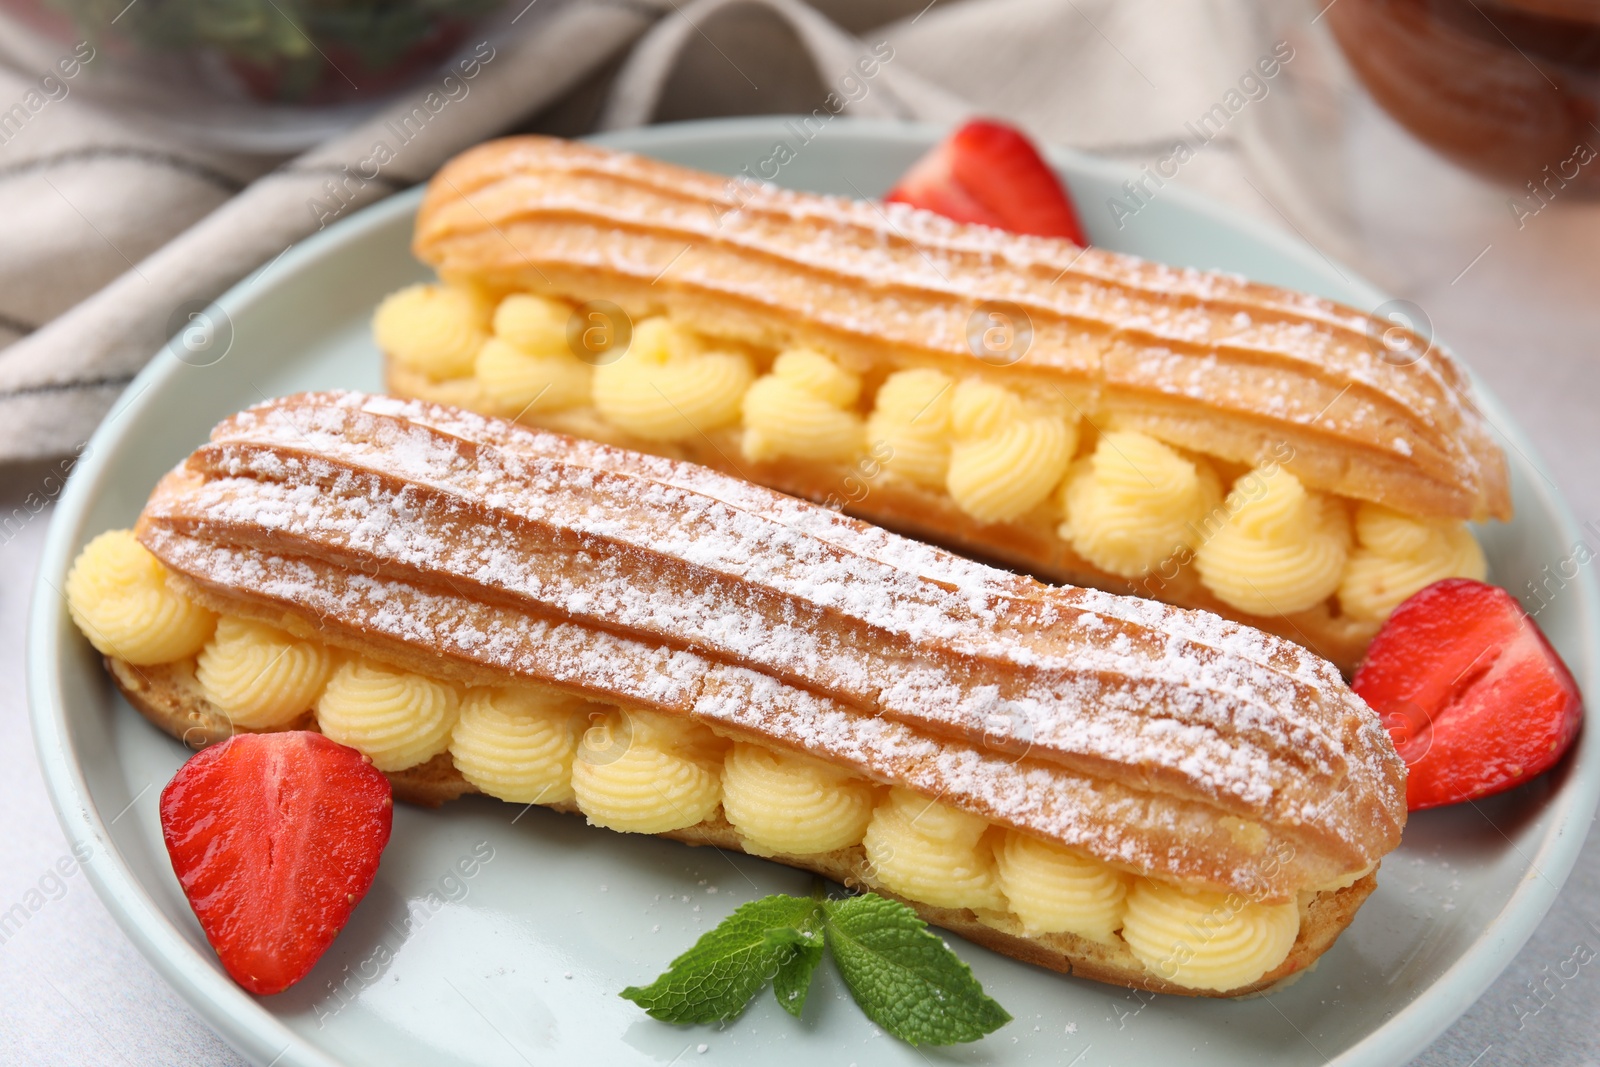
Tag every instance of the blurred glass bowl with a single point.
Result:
(1507, 88)
(250, 75)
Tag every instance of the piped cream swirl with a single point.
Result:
(804, 407)
(1135, 501)
(646, 773)
(1396, 555)
(780, 802)
(1206, 940)
(518, 744)
(260, 676)
(668, 387)
(1280, 549)
(911, 416)
(932, 852)
(434, 329)
(1007, 455)
(1053, 890)
(396, 718)
(527, 366)
(119, 596)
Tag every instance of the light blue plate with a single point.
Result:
(520, 960)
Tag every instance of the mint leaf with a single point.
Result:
(793, 980)
(714, 980)
(903, 976)
(900, 973)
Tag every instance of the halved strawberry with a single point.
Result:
(1474, 696)
(990, 173)
(275, 838)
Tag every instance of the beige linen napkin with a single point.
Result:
(59, 380)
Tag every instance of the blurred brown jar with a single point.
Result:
(1508, 88)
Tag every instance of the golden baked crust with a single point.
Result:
(171, 699)
(1204, 360)
(1246, 374)
(1167, 743)
(472, 549)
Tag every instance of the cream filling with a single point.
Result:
(1396, 556)
(910, 424)
(259, 676)
(433, 329)
(528, 365)
(1205, 940)
(804, 407)
(518, 743)
(1055, 890)
(1135, 502)
(932, 852)
(118, 595)
(1007, 454)
(997, 454)
(1347, 880)
(669, 386)
(1280, 548)
(790, 804)
(644, 772)
(396, 718)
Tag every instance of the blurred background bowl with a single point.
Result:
(265, 76)
(1506, 88)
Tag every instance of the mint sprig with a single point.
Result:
(716, 979)
(902, 975)
(793, 980)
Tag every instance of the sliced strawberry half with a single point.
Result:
(275, 839)
(991, 174)
(1473, 695)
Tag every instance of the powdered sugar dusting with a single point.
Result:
(400, 501)
(909, 280)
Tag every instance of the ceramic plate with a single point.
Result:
(496, 940)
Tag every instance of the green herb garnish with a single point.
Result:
(902, 975)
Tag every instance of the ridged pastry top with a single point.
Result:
(1163, 740)
(1200, 359)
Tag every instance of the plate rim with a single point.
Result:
(259, 1035)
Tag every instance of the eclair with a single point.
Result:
(1080, 415)
(1102, 785)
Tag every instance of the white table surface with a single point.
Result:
(1525, 315)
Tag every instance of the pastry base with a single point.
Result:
(170, 697)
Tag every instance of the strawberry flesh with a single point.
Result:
(990, 174)
(1472, 693)
(275, 839)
